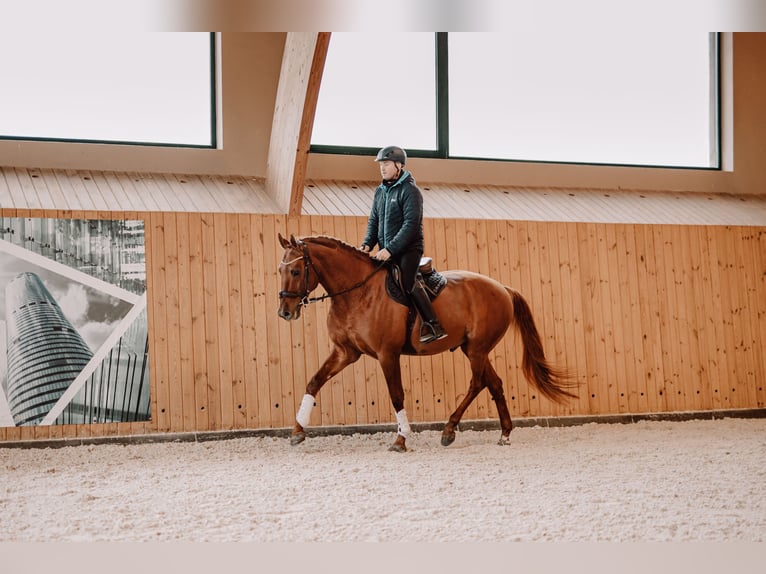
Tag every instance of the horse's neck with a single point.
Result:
(339, 270)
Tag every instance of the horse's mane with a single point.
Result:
(335, 243)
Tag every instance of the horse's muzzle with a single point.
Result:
(288, 315)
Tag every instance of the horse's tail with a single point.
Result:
(551, 381)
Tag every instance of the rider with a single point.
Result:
(395, 225)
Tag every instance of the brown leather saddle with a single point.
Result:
(432, 280)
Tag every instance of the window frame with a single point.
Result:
(213, 120)
(442, 117)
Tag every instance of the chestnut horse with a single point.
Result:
(475, 310)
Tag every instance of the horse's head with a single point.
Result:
(296, 278)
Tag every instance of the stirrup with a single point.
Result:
(430, 333)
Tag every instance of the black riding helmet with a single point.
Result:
(392, 153)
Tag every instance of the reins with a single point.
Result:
(305, 299)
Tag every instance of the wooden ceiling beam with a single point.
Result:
(299, 80)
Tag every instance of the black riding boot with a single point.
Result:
(431, 329)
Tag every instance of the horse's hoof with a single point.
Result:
(448, 439)
(297, 438)
(504, 441)
(397, 448)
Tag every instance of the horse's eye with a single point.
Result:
(294, 272)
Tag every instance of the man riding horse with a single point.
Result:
(395, 225)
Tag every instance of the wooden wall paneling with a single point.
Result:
(160, 194)
(634, 352)
(679, 289)
(100, 202)
(185, 318)
(63, 194)
(717, 317)
(608, 347)
(235, 264)
(7, 202)
(157, 321)
(33, 200)
(709, 326)
(44, 195)
(198, 331)
(695, 317)
(113, 195)
(210, 306)
(728, 321)
(59, 197)
(265, 314)
(137, 192)
(223, 314)
(668, 322)
(172, 323)
(648, 317)
(14, 188)
(102, 187)
(619, 305)
(250, 379)
(595, 368)
(746, 312)
(752, 310)
(759, 249)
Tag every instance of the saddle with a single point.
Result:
(431, 279)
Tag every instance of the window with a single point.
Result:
(377, 89)
(607, 98)
(150, 88)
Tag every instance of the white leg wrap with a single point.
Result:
(403, 423)
(304, 412)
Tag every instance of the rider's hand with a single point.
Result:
(383, 255)
(366, 248)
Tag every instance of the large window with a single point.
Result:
(378, 88)
(605, 98)
(150, 88)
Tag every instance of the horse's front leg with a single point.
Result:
(393, 373)
(339, 358)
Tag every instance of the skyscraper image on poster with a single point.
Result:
(73, 325)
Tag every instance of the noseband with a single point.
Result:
(304, 295)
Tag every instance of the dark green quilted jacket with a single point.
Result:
(396, 217)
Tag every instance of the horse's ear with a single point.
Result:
(292, 241)
(282, 241)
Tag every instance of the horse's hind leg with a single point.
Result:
(495, 385)
(478, 365)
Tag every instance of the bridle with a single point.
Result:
(304, 295)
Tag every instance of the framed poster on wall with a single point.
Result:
(73, 325)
